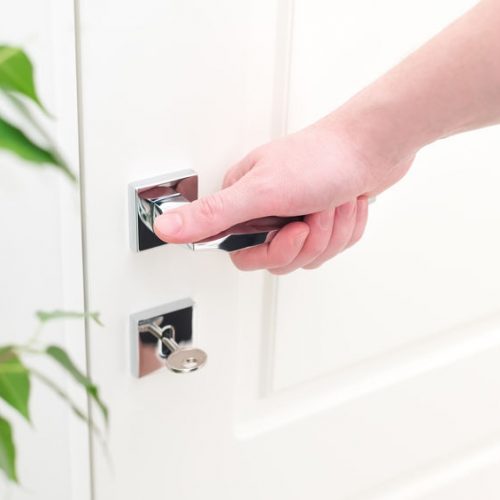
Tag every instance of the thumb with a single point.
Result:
(209, 215)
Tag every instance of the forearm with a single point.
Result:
(450, 85)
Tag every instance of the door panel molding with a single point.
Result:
(324, 393)
(443, 475)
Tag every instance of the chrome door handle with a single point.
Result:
(152, 197)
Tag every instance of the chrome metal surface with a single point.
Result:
(186, 360)
(162, 337)
(151, 198)
(180, 359)
(248, 234)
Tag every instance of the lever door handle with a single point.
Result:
(151, 198)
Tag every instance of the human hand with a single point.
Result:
(327, 171)
(319, 172)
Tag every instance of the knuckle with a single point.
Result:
(347, 210)
(312, 266)
(283, 265)
(279, 272)
(230, 177)
(242, 265)
(258, 153)
(245, 268)
(211, 206)
(356, 238)
(316, 248)
(241, 261)
(325, 257)
(227, 180)
(275, 263)
(279, 258)
(264, 187)
(315, 245)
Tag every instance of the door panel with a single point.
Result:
(351, 380)
(467, 474)
(413, 274)
(181, 84)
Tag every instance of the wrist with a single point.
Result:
(379, 128)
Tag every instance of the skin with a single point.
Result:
(448, 86)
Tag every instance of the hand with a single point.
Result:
(328, 170)
(318, 172)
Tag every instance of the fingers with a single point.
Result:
(349, 224)
(210, 215)
(250, 193)
(310, 243)
(320, 231)
(282, 249)
(361, 220)
(345, 220)
(214, 213)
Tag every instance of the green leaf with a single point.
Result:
(64, 396)
(16, 73)
(26, 112)
(61, 357)
(14, 140)
(7, 450)
(14, 382)
(10, 369)
(45, 316)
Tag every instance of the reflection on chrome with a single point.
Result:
(159, 199)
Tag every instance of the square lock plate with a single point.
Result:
(148, 353)
(184, 182)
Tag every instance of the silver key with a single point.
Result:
(180, 359)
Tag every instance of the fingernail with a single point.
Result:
(299, 239)
(169, 223)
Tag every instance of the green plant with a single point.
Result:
(15, 383)
(17, 85)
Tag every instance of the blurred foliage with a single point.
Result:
(18, 86)
(15, 384)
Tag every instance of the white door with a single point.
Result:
(376, 376)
